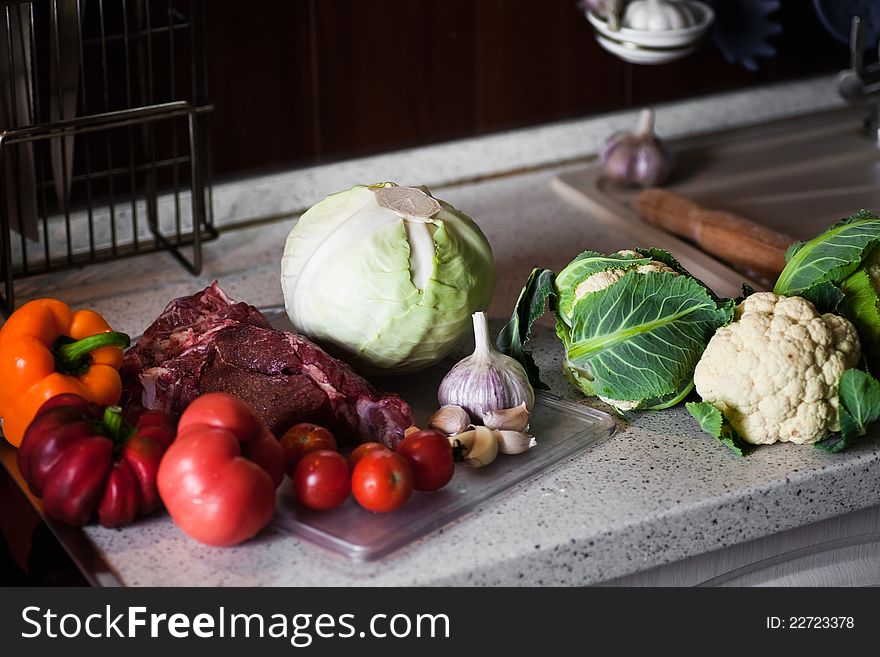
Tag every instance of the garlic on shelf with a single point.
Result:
(450, 419)
(487, 380)
(607, 9)
(637, 158)
(513, 419)
(599, 7)
(658, 15)
(479, 446)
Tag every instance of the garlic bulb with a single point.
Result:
(658, 15)
(513, 419)
(487, 380)
(637, 158)
(450, 419)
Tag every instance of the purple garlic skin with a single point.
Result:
(600, 7)
(487, 380)
(477, 389)
(626, 159)
(637, 158)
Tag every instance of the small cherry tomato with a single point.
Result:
(382, 481)
(361, 450)
(302, 439)
(430, 457)
(321, 480)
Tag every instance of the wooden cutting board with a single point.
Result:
(584, 188)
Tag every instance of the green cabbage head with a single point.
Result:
(839, 271)
(386, 276)
(633, 325)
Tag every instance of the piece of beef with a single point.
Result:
(270, 396)
(184, 333)
(207, 343)
(187, 321)
(358, 408)
(253, 368)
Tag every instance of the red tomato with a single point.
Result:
(224, 411)
(321, 480)
(382, 481)
(361, 450)
(218, 478)
(430, 456)
(303, 438)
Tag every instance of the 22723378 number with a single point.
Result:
(810, 623)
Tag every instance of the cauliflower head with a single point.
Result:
(601, 280)
(773, 371)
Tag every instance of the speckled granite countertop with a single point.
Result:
(656, 492)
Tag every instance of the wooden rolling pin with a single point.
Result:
(731, 238)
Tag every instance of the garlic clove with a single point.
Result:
(514, 442)
(479, 446)
(450, 419)
(410, 429)
(462, 443)
(512, 419)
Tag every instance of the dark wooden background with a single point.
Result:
(300, 81)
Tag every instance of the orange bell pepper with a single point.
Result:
(47, 349)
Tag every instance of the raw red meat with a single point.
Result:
(208, 342)
(164, 367)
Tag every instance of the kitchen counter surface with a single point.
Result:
(656, 492)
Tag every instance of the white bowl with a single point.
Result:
(633, 55)
(653, 46)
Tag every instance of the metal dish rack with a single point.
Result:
(104, 143)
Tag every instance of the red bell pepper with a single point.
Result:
(218, 479)
(83, 459)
